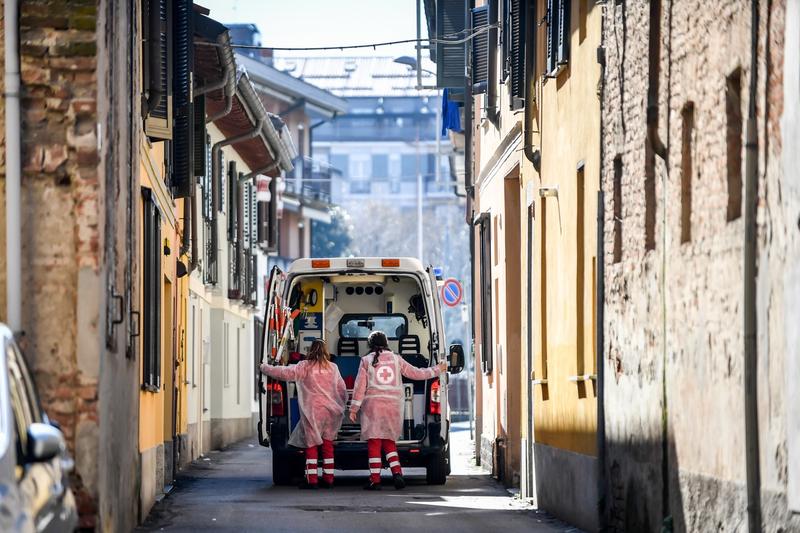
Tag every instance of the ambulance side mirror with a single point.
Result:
(455, 361)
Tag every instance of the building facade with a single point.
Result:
(635, 251)
(535, 182)
(699, 344)
(112, 236)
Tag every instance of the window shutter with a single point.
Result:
(451, 21)
(516, 36)
(550, 64)
(157, 55)
(480, 49)
(563, 33)
(232, 204)
(183, 115)
(199, 138)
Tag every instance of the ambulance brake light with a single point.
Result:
(435, 405)
(390, 262)
(320, 263)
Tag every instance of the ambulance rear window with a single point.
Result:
(359, 326)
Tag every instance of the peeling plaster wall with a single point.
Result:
(674, 397)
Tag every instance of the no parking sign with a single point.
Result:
(452, 292)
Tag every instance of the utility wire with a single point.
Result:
(463, 40)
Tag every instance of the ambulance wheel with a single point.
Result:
(281, 471)
(436, 471)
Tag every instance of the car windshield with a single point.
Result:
(361, 325)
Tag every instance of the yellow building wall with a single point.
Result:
(567, 122)
(155, 413)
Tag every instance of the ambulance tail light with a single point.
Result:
(320, 263)
(435, 405)
(390, 262)
(275, 395)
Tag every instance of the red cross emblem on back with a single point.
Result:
(385, 375)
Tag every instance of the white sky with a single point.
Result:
(302, 23)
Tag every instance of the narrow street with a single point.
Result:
(232, 490)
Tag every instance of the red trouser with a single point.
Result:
(374, 452)
(312, 460)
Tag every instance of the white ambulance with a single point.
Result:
(342, 300)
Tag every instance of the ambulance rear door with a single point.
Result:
(271, 393)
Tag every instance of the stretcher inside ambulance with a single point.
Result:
(342, 301)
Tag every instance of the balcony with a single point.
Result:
(311, 180)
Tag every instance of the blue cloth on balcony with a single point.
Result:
(451, 116)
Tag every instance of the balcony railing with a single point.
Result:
(311, 179)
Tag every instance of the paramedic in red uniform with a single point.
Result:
(322, 397)
(379, 396)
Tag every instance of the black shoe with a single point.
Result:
(372, 486)
(399, 482)
(325, 485)
(305, 485)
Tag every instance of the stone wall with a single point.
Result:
(674, 344)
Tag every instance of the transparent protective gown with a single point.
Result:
(321, 395)
(379, 395)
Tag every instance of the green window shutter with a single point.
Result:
(552, 19)
(158, 61)
(480, 49)
(562, 52)
(451, 21)
(200, 141)
(516, 38)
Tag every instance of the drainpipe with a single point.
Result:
(228, 65)
(750, 273)
(262, 170)
(600, 300)
(228, 85)
(13, 169)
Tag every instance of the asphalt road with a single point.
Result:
(232, 490)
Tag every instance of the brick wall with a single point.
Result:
(674, 347)
(61, 226)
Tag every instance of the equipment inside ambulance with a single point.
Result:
(342, 300)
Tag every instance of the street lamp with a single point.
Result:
(414, 65)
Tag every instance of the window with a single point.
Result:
(226, 370)
(157, 68)
(733, 112)
(394, 166)
(151, 287)
(360, 326)
(649, 197)
(409, 167)
(360, 166)
(360, 187)
(340, 162)
(486, 292)
(558, 35)
(687, 118)
(238, 365)
(380, 166)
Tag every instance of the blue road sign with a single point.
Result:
(452, 292)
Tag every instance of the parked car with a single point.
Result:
(343, 300)
(34, 465)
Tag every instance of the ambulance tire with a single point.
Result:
(436, 471)
(281, 471)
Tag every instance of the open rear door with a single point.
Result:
(269, 345)
(439, 345)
